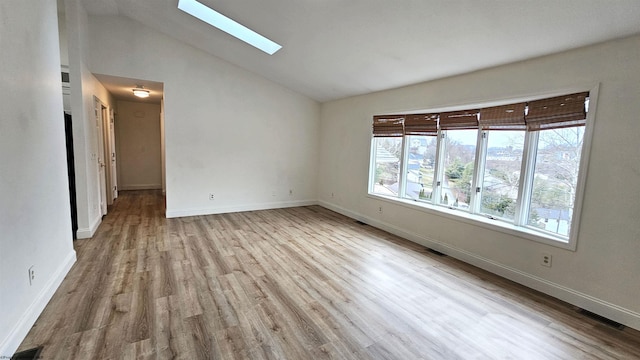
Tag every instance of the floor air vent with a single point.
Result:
(436, 252)
(601, 319)
(28, 354)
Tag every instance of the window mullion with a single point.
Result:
(478, 172)
(525, 187)
(439, 169)
(372, 164)
(402, 171)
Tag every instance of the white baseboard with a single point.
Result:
(85, 233)
(140, 187)
(611, 311)
(30, 315)
(238, 208)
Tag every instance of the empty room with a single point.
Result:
(210, 179)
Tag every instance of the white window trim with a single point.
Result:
(520, 230)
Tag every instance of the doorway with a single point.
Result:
(108, 141)
(112, 144)
(106, 155)
(71, 172)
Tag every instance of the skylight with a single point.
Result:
(214, 18)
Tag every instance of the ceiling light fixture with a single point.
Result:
(141, 92)
(214, 18)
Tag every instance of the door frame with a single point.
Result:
(113, 165)
(108, 151)
(98, 106)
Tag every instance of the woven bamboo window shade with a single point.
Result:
(557, 112)
(459, 120)
(388, 125)
(552, 113)
(421, 124)
(505, 117)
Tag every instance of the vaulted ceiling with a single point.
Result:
(338, 48)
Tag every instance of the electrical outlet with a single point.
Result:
(211, 197)
(32, 275)
(380, 209)
(331, 194)
(290, 192)
(545, 260)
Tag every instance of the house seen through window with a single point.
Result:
(517, 164)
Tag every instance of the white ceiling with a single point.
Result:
(338, 48)
(122, 88)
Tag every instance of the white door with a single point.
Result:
(102, 177)
(112, 148)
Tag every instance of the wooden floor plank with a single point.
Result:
(295, 283)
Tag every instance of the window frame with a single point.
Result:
(519, 225)
(373, 162)
(442, 135)
(405, 170)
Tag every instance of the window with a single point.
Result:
(422, 145)
(421, 158)
(501, 175)
(387, 152)
(459, 155)
(516, 165)
(555, 179)
(387, 162)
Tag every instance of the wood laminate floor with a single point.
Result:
(297, 283)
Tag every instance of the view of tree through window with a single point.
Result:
(511, 166)
(555, 179)
(502, 173)
(420, 166)
(388, 151)
(459, 160)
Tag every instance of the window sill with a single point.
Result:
(479, 220)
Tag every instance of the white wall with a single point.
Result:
(62, 35)
(64, 55)
(138, 146)
(162, 149)
(84, 86)
(603, 275)
(35, 222)
(227, 131)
